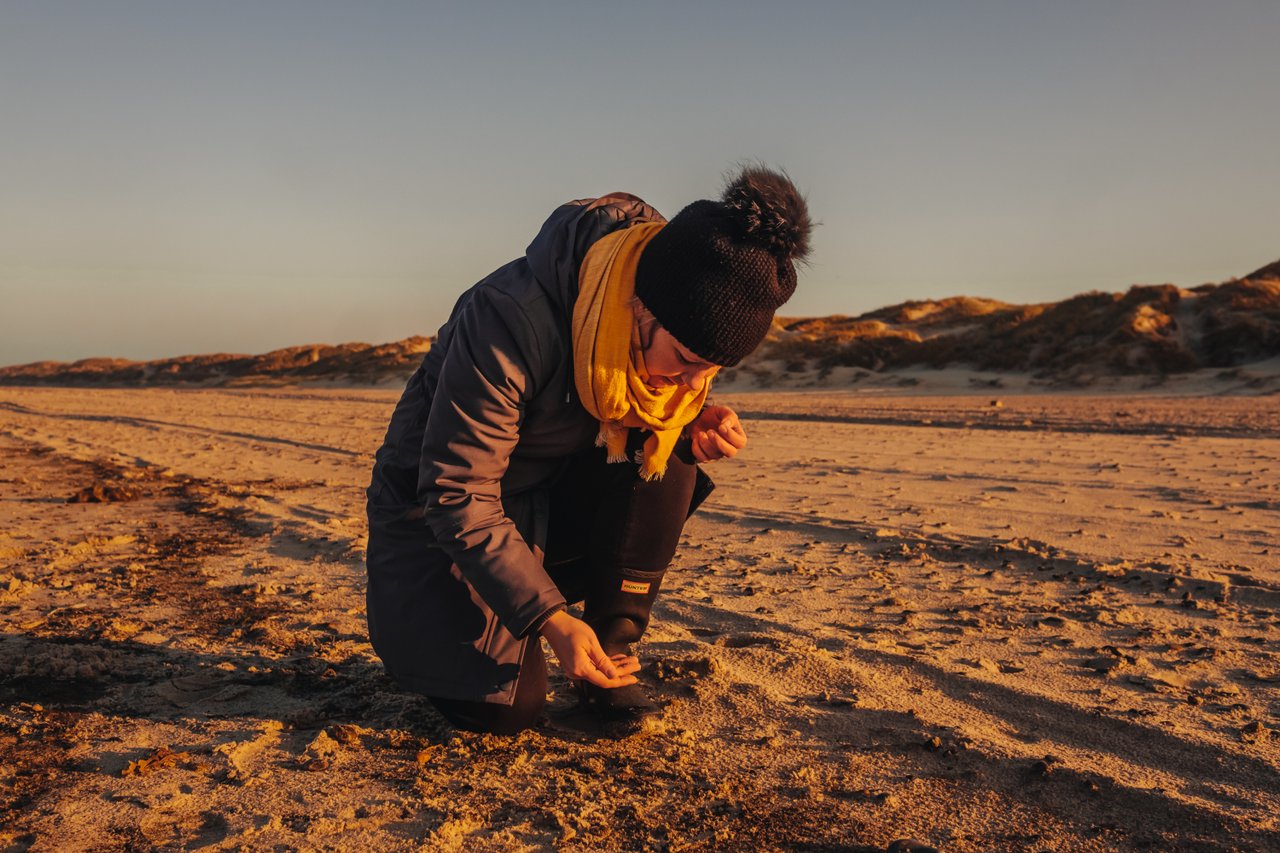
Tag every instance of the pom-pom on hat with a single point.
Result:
(714, 276)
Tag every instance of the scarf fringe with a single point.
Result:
(614, 439)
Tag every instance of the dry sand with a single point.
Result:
(1044, 625)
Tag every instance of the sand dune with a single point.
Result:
(1215, 338)
(1048, 624)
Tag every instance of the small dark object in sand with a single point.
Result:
(102, 493)
(1102, 664)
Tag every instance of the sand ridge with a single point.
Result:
(1051, 627)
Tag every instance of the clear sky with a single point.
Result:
(180, 176)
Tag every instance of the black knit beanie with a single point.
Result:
(716, 273)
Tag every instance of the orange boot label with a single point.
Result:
(635, 586)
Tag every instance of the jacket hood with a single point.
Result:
(556, 254)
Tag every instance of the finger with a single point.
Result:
(606, 667)
(710, 450)
(620, 673)
(593, 658)
(598, 679)
(626, 667)
(725, 415)
(700, 448)
(599, 657)
(734, 435)
(605, 671)
(709, 418)
(731, 422)
(594, 670)
(721, 446)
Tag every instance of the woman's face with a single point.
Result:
(668, 362)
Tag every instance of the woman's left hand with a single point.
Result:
(717, 434)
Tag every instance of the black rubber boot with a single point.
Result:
(617, 609)
(612, 536)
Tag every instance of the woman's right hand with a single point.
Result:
(581, 657)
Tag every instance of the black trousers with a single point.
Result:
(604, 518)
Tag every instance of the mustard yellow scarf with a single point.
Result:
(610, 382)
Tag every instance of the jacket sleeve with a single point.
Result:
(489, 372)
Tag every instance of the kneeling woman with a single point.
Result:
(546, 451)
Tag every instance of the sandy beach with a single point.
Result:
(980, 622)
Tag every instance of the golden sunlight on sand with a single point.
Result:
(1037, 622)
